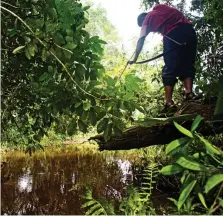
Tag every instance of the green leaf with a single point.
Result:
(210, 148)
(102, 124)
(128, 106)
(84, 115)
(31, 48)
(89, 203)
(185, 193)
(86, 105)
(92, 117)
(139, 108)
(183, 130)
(78, 104)
(196, 122)
(52, 13)
(80, 27)
(201, 197)
(86, 8)
(101, 115)
(108, 132)
(117, 131)
(18, 49)
(72, 127)
(220, 201)
(176, 143)
(43, 76)
(173, 200)
(59, 39)
(70, 46)
(110, 81)
(27, 54)
(82, 126)
(190, 164)
(44, 54)
(102, 41)
(171, 169)
(50, 69)
(184, 176)
(213, 181)
(99, 211)
(92, 209)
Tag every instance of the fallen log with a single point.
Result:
(158, 131)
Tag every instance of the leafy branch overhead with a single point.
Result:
(52, 66)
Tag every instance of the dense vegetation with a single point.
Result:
(59, 75)
(52, 73)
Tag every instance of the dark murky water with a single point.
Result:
(55, 184)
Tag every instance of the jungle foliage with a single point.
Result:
(136, 201)
(199, 165)
(56, 70)
(52, 72)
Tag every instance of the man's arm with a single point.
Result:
(140, 43)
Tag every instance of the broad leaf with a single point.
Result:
(86, 105)
(213, 181)
(176, 143)
(190, 164)
(185, 194)
(52, 13)
(210, 148)
(117, 131)
(92, 117)
(100, 115)
(220, 202)
(201, 197)
(72, 127)
(50, 69)
(102, 124)
(70, 46)
(196, 122)
(43, 77)
(183, 130)
(171, 169)
(108, 132)
(173, 200)
(18, 49)
(82, 126)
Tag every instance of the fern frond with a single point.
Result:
(89, 203)
(100, 211)
(149, 176)
(94, 207)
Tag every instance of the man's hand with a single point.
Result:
(132, 62)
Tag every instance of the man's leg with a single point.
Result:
(168, 95)
(188, 84)
(169, 81)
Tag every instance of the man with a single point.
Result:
(176, 29)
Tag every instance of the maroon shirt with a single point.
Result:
(163, 19)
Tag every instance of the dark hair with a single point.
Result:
(140, 18)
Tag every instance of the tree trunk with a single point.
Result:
(158, 131)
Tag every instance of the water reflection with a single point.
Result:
(55, 184)
(25, 183)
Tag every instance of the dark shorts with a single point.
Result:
(179, 62)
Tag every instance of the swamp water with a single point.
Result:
(54, 183)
